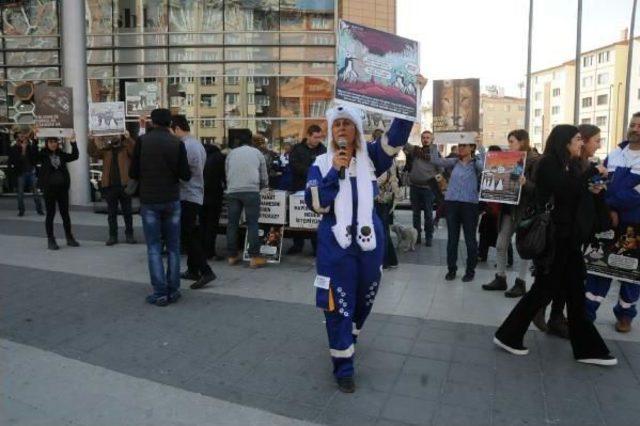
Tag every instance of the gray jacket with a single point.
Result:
(423, 171)
(193, 189)
(246, 170)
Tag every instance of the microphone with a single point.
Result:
(342, 145)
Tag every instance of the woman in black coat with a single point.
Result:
(561, 181)
(55, 181)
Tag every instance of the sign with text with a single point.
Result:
(273, 207)
(500, 180)
(615, 254)
(54, 111)
(378, 71)
(299, 214)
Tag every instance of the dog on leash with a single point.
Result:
(407, 237)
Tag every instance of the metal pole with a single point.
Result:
(625, 120)
(74, 73)
(527, 109)
(576, 94)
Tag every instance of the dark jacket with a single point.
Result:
(159, 162)
(301, 158)
(17, 161)
(104, 152)
(214, 175)
(52, 178)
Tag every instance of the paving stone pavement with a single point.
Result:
(271, 356)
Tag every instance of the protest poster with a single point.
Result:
(141, 98)
(615, 254)
(106, 118)
(299, 214)
(273, 207)
(270, 237)
(456, 110)
(378, 71)
(54, 111)
(500, 179)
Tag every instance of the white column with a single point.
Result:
(74, 74)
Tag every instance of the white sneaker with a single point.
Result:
(606, 361)
(514, 351)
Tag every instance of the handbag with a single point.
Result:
(534, 233)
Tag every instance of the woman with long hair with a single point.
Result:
(341, 185)
(561, 183)
(511, 215)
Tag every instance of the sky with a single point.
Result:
(487, 39)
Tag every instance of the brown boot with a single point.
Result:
(623, 325)
(257, 262)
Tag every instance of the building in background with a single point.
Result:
(634, 87)
(380, 14)
(498, 116)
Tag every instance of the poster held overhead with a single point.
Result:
(106, 118)
(54, 111)
(456, 110)
(141, 98)
(378, 71)
(500, 179)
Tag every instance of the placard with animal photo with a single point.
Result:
(54, 111)
(456, 110)
(141, 98)
(106, 118)
(270, 237)
(378, 71)
(500, 179)
(615, 254)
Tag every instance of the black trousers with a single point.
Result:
(566, 276)
(53, 196)
(114, 195)
(209, 221)
(196, 260)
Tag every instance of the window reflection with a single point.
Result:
(251, 15)
(195, 15)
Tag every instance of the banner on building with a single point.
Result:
(270, 237)
(378, 71)
(141, 98)
(273, 207)
(456, 110)
(54, 111)
(500, 179)
(299, 214)
(615, 254)
(106, 118)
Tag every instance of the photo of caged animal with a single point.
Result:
(407, 237)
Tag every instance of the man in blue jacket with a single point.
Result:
(623, 198)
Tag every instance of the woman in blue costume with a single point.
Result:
(351, 236)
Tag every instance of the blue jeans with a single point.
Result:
(250, 201)
(422, 200)
(27, 180)
(465, 216)
(162, 222)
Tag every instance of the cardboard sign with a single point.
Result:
(54, 111)
(273, 207)
(106, 118)
(500, 180)
(615, 254)
(456, 110)
(141, 98)
(299, 214)
(270, 237)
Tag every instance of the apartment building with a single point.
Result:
(498, 116)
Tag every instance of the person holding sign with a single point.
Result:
(341, 185)
(55, 182)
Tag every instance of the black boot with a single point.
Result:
(451, 274)
(498, 283)
(112, 240)
(539, 320)
(558, 326)
(71, 242)
(346, 384)
(52, 244)
(518, 289)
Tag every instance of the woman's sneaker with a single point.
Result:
(605, 361)
(521, 350)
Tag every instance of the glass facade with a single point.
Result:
(266, 65)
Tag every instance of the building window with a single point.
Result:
(587, 81)
(537, 130)
(603, 99)
(601, 120)
(208, 101)
(207, 81)
(208, 123)
(587, 61)
(537, 112)
(556, 92)
(585, 121)
(537, 96)
(232, 80)
(603, 57)
(209, 141)
(520, 108)
(555, 110)
(603, 78)
(231, 98)
(189, 99)
(587, 102)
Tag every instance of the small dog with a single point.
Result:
(407, 237)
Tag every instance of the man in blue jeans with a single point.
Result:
(246, 171)
(23, 156)
(159, 163)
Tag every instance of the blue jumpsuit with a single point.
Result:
(353, 274)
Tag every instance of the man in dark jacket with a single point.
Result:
(302, 157)
(159, 163)
(214, 184)
(23, 157)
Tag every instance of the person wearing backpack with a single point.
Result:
(461, 203)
